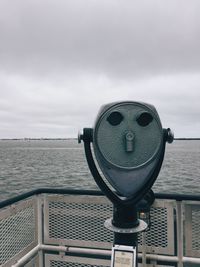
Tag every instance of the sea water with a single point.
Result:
(29, 164)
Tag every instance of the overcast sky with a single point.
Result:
(60, 60)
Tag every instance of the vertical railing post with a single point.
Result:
(179, 227)
(143, 234)
(40, 207)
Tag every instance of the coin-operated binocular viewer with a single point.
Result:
(129, 145)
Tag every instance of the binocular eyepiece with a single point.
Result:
(129, 143)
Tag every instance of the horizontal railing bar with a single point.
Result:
(3, 204)
(17, 198)
(191, 260)
(178, 197)
(100, 252)
(38, 191)
(76, 250)
(25, 259)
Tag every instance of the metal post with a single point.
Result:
(125, 217)
(179, 226)
(144, 259)
(125, 241)
(40, 228)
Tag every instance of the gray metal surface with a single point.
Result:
(77, 221)
(192, 229)
(18, 233)
(109, 140)
(160, 238)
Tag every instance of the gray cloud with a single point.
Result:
(111, 37)
(60, 60)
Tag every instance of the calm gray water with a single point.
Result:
(26, 165)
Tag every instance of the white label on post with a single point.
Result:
(123, 256)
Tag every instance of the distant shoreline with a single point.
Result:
(75, 138)
(36, 139)
(187, 138)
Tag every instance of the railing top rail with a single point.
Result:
(10, 201)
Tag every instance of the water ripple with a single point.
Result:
(26, 165)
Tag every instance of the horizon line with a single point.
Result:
(74, 138)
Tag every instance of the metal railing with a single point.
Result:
(61, 228)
